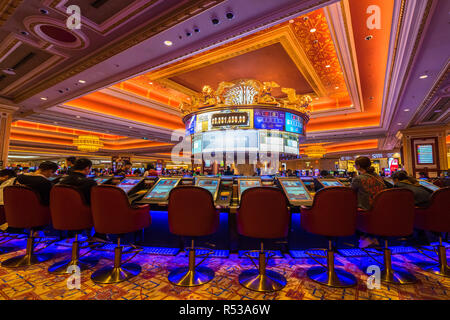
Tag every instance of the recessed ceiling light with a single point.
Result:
(81, 81)
(55, 122)
(369, 37)
(336, 88)
(168, 43)
(9, 71)
(317, 98)
(44, 98)
(150, 82)
(438, 110)
(130, 127)
(423, 76)
(291, 21)
(313, 30)
(399, 123)
(327, 66)
(406, 110)
(78, 117)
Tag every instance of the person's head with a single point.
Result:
(83, 166)
(6, 174)
(70, 161)
(364, 165)
(324, 173)
(150, 166)
(127, 164)
(423, 174)
(47, 168)
(402, 175)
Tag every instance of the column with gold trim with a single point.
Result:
(6, 112)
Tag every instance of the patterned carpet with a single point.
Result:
(35, 283)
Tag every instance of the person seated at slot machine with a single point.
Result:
(77, 178)
(150, 171)
(421, 194)
(228, 172)
(125, 169)
(7, 178)
(367, 184)
(39, 180)
(423, 175)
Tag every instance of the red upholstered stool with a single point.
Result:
(24, 210)
(70, 213)
(113, 214)
(333, 214)
(2, 215)
(391, 215)
(436, 218)
(192, 214)
(263, 214)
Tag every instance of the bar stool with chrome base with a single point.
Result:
(333, 214)
(391, 215)
(70, 213)
(23, 210)
(263, 214)
(187, 220)
(113, 214)
(436, 218)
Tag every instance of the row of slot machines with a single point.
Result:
(424, 183)
(226, 190)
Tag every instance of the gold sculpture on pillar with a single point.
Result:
(245, 92)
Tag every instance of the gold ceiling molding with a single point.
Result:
(7, 8)
(169, 20)
(176, 86)
(282, 35)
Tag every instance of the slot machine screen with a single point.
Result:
(100, 180)
(128, 184)
(161, 189)
(428, 185)
(245, 184)
(295, 190)
(330, 183)
(211, 185)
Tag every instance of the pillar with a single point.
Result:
(425, 149)
(6, 113)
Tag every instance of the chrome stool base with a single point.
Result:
(268, 282)
(186, 278)
(26, 260)
(61, 267)
(109, 274)
(396, 276)
(438, 270)
(337, 278)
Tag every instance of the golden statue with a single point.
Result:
(265, 95)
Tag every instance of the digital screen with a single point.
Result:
(425, 154)
(294, 123)
(270, 141)
(128, 184)
(101, 180)
(246, 184)
(295, 190)
(197, 144)
(190, 125)
(209, 184)
(428, 185)
(230, 140)
(331, 183)
(272, 120)
(161, 189)
(316, 172)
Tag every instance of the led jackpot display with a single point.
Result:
(294, 123)
(267, 119)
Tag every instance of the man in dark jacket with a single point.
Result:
(38, 180)
(77, 178)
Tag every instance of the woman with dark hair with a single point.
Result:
(367, 184)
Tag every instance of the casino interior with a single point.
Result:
(226, 139)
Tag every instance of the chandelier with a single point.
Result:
(88, 143)
(315, 151)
